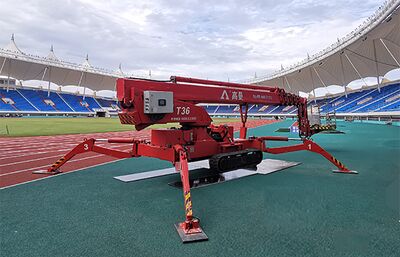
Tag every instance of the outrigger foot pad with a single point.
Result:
(46, 172)
(345, 171)
(192, 236)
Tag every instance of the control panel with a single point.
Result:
(158, 102)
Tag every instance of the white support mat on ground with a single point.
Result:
(265, 167)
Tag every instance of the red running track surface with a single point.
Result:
(20, 156)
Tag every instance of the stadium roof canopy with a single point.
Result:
(16, 64)
(371, 50)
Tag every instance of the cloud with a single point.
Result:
(208, 39)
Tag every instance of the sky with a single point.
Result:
(223, 40)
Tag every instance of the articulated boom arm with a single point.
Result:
(185, 93)
(145, 103)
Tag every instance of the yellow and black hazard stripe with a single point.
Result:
(338, 163)
(188, 204)
(323, 127)
(126, 118)
(58, 162)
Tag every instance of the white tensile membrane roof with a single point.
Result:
(371, 50)
(25, 67)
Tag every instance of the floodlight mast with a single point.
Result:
(148, 102)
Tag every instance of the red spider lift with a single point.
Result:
(147, 102)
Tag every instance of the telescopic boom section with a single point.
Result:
(145, 102)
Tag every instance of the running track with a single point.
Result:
(20, 156)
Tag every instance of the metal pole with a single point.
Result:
(354, 67)
(387, 49)
(8, 75)
(2, 66)
(287, 81)
(79, 84)
(376, 66)
(48, 86)
(80, 79)
(44, 74)
(343, 76)
(316, 72)
(312, 81)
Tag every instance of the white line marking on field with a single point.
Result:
(37, 159)
(31, 160)
(30, 181)
(63, 173)
(50, 150)
(44, 166)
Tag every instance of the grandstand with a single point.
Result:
(35, 101)
(371, 50)
(372, 101)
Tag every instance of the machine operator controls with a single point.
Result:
(158, 102)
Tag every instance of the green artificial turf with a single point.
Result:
(56, 126)
(303, 211)
(17, 127)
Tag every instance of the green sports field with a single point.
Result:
(17, 127)
(302, 211)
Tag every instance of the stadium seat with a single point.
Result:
(368, 100)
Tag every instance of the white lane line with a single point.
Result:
(28, 149)
(43, 142)
(29, 152)
(36, 142)
(38, 153)
(60, 174)
(41, 145)
(31, 160)
(43, 158)
(59, 138)
(28, 145)
(63, 139)
(46, 166)
(63, 173)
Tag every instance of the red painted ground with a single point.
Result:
(20, 156)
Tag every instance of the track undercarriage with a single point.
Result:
(223, 162)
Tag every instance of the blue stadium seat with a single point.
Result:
(226, 108)
(106, 102)
(378, 99)
(21, 104)
(369, 100)
(210, 108)
(76, 102)
(35, 97)
(60, 105)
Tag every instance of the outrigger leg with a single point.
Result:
(308, 145)
(189, 230)
(88, 145)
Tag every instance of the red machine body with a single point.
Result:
(196, 138)
(188, 92)
(196, 128)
